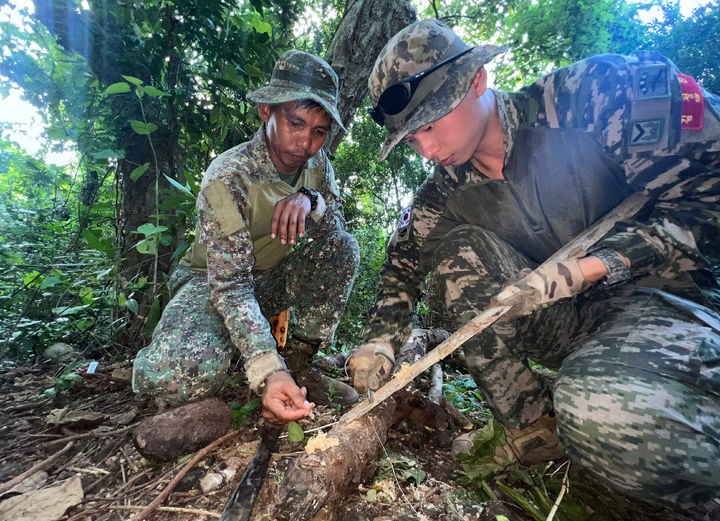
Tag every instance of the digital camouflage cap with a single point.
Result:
(418, 47)
(297, 76)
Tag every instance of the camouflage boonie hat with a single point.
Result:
(416, 48)
(297, 76)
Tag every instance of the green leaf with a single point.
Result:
(149, 229)
(177, 185)
(118, 88)
(261, 26)
(64, 311)
(132, 305)
(49, 282)
(107, 154)
(500, 517)
(142, 128)
(147, 246)
(295, 432)
(56, 132)
(180, 250)
(137, 172)
(371, 495)
(133, 79)
(152, 91)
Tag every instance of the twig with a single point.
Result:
(165, 493)
(44, 463)
(90, 435)
(168, 509)
(564, 487)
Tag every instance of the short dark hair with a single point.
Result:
(309, 104)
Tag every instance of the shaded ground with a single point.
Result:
(97, 414)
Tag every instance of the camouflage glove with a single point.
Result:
(543, 287)
(369, 366)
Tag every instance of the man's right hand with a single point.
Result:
(369, 366)
(283, 401)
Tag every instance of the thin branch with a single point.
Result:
(44, 463)
(169, 509)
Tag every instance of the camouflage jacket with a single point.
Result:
(228, 227)
(638, 125)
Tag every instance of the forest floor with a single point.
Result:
(100, 476)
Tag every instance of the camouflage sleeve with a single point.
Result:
(406, 265)
(328, 215)
(224, 228)
(636, 108)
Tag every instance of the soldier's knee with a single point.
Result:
(343, 244)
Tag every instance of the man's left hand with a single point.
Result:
(288, 219)
(543, 287)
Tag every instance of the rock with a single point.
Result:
(182, 430)
(60, 352)
(211, 482)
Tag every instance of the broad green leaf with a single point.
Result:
(140, 284)
(148, 229)
(122, 300)
(153, 316)
(180, 250)
(64, 311)
(177, 185)
(132, 305)
(133, 79)
(49, 282)
(137, 172)
(500, 517)
(31, 277)
(142, 128)
(152, 91)
(118, 88)
(261, 26)
(147, 246)
(56, 132)
(371, 495)
(107, 154)
(295, 432)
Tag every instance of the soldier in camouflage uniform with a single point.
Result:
(256, 200)
(632, 327)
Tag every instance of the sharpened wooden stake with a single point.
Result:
(575, 248)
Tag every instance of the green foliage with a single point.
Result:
(295, 432)
(462, 393)
(404, 468)
(241, 413)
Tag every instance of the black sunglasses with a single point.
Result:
(397, 96)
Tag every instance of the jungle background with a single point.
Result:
(140, 96)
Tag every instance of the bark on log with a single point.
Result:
(364, 30)
(317, 480)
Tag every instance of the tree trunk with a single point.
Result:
(364, 30)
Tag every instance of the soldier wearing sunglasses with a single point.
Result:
(632, 327)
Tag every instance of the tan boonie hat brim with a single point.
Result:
(442, 99)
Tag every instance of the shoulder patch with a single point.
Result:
(402, 232)
(693, 103)
(647, 131)
(224, 209)
(651, 81)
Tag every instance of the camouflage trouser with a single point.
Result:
(637, 395)
(190, 353)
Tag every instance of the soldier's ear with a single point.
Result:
(264, 111)
(479, 83)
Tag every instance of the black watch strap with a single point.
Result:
(312, 194)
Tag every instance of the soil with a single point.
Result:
(100, 412)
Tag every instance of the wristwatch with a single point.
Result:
(617, 271)
(312, 194)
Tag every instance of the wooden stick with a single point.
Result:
(168, 509)
(44, 463)
(165, 493)
(575, 248)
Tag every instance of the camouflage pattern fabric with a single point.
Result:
(642, 373)
(298, 75)
(191, 350)
(439, 93)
